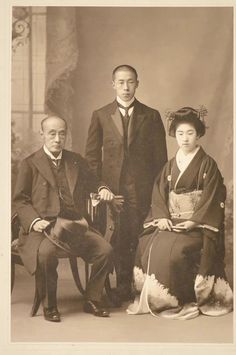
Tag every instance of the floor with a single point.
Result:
(78, 327)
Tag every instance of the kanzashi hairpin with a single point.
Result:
(202, 113)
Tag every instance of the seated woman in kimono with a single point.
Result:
(179, 268)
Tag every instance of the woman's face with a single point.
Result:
(186, 136)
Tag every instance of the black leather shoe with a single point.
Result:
(95, 308)
(52, 314)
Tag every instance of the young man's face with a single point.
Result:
(54, 134)
(125, 84)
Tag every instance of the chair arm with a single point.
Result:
(113, 209)
(14, 245)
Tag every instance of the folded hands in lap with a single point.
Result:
(166, 224)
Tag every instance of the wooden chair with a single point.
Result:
(112, 221)
(105, 217)
(16, 260)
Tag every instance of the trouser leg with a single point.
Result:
(46, 273)
(128, 240)
(137, 260)
(96, 251)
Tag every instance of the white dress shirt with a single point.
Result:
(125, 104)
(51, 155)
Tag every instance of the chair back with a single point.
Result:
(15, 227)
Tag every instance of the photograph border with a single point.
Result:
(6, 346)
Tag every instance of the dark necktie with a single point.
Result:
(125, 122)
(126, 108)
(56, 162)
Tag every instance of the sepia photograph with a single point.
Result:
(118, 200)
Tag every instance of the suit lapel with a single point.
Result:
(71, 169)
(41, 162)
(116, 123)
(136, 120)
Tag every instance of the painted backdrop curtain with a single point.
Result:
(184, 57)
(61, 60)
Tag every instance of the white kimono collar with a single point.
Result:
(183, 160)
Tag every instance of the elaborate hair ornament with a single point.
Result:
(202, 113)
(185, 114)
(169, 115)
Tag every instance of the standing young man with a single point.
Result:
(126, 147)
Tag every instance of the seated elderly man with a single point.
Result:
(50, 195)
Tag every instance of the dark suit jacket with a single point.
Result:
(147, 148)
(36, 196)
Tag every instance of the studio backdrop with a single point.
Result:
(183, 56)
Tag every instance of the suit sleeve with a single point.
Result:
(159, 149)
(22, 197)
(93, 151)
(93, 184)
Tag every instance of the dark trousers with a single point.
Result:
(130, 227)
(92, 248)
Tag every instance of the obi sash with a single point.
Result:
(183, 205)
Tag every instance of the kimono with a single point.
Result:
(180, 274)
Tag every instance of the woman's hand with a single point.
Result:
(187, 225)
(164, 224)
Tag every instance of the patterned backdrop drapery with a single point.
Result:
(61, 61)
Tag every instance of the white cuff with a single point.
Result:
(103, 187)
(34, 221)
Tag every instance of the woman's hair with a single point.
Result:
(187, 115)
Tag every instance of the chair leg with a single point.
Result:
(12, 275)
(37, 301)
(86, 266)
(108, 287)
(75, 273)
(36, 304)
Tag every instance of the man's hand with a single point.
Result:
(39, 226)
(164, 224)
(106, 195)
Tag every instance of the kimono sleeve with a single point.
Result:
(159, 207)
(210, 209)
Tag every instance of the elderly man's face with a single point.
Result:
(54, 134)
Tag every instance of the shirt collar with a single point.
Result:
(125, 103)
(51, 155)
